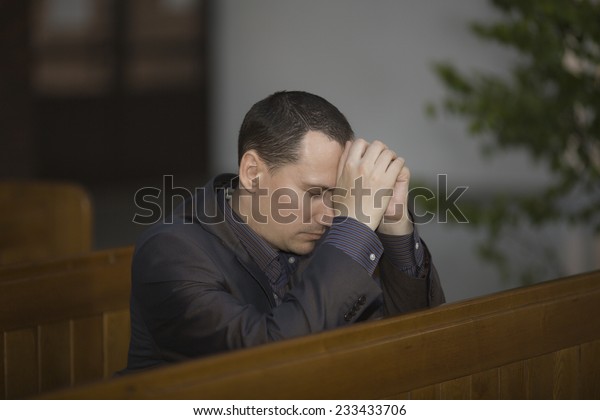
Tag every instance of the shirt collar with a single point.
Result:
(260, 251)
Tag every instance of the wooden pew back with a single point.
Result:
(63, 322)
(43, 220)
(541, 341)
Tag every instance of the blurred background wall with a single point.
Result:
(116, 94)
(373, 60)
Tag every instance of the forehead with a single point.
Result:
(318, 160)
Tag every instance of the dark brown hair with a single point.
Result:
(275, 126)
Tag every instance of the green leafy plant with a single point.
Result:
(547, 106)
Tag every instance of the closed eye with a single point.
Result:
(317, 192)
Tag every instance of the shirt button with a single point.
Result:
(417, 245)
(372, 257)
(291, 260)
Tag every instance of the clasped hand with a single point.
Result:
(372, 187)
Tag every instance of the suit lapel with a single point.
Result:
(214, 222)
(248, 263)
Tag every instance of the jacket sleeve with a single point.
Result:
(185, 302)
(402, 293)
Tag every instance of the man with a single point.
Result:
(287, 247)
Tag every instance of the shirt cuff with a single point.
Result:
(357, 240)
(406, 252)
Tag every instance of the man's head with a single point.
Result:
(275, 126)
(289, 148)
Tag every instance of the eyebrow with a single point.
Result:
(308, 187)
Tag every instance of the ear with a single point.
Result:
(252, 167)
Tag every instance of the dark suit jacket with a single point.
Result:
(196, 291)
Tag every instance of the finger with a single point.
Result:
(394, 170)
(373, 152)
(400, 160)
(357, 150)
(343, 159)
(404, 173)
(384, 160)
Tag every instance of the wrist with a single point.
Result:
(372, 221)
(402, 226)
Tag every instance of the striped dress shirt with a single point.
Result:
(347, 234)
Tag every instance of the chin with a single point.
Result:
(303, 249)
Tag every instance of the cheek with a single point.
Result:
(320, 206)
(313, 207)
(285, 210)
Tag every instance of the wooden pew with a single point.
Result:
(541, 341)
(63, 322)
(41, 220)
